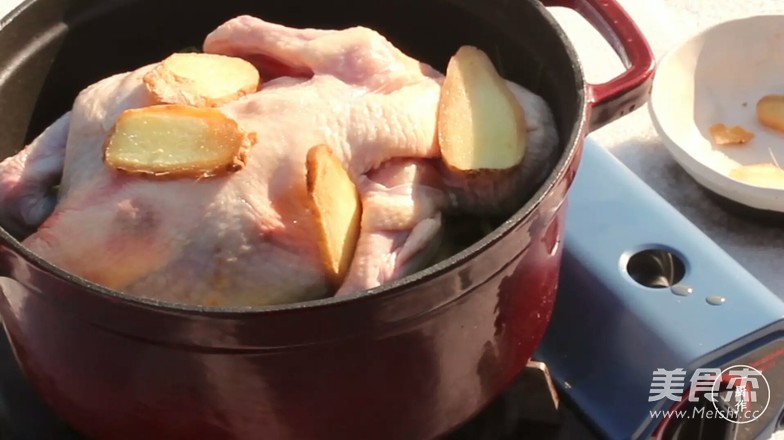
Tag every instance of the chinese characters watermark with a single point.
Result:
(739, 394)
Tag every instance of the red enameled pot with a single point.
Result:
(410, 360)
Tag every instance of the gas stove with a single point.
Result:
(657, 333)
(654, 317)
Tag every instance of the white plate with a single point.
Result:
(717, 77)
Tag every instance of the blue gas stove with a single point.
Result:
(652, 316)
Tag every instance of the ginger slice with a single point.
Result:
(201, 79)
(736, 135)
(770, 111)
(481, 125)
(336, 207)
(177, 141)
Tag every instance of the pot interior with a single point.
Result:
(52, 49)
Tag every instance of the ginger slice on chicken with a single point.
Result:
(201, 79)
(177, 141)
(481, 126)
(336, 207)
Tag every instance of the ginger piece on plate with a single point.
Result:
(765, 175)
(481, 125)
(337, 209)
(770, 111)
(723, 135)
(201, 79)
(177, 141)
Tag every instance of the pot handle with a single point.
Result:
(629, 90)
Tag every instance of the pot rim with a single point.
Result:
(385, 290)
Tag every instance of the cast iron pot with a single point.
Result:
(410, 360)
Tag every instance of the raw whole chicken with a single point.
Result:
(249, 238)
